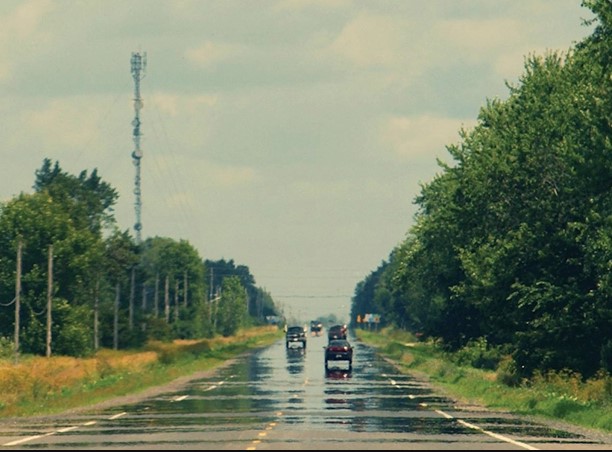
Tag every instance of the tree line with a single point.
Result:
(511, 247)
(71, 281)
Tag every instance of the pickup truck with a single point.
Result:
(295, 335)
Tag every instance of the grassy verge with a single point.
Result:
(560, 396)
(39, 386)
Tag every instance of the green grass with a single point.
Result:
(38, 387)
(560, 396)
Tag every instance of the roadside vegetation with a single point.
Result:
(479, 374)
(37, 385)
(506, 271)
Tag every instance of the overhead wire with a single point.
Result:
(171, 177)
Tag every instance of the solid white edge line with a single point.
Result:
(29, 438)
(486, 432)
(496, 436)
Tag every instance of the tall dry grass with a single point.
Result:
(37, 378)
(35, 381)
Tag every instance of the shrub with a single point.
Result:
(506, 372)
(479, 354)
(7, 348)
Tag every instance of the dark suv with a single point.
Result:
(295, 335)
(339, 350)
(337, 332)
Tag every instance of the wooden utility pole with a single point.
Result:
(143, 307)
(96, 324)
(132, 295)
(176, 300)
(156, 296)
(116, 318)
(18, 298)
(49, 298)
(185, 289)
(167, 299)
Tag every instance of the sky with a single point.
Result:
(290, 136)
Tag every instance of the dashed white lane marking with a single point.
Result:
(61, 430)
(474, 427)
(85, 424)
(29, 438)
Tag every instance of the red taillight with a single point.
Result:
(338, 349)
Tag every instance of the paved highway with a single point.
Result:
(278, 399)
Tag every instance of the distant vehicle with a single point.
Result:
(339, 350)
(337, 332)
(295, 335)
(316, 328)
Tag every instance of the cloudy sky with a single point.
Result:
(288, 135)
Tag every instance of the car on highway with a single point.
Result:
(316, 328)
(338, 350)
(337, 332)
(295, 335)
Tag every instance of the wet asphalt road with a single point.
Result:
(278, 399)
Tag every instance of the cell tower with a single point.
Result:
(138, 65)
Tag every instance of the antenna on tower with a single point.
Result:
(138, 66)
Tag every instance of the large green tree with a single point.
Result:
(512, 242)
(232, 312)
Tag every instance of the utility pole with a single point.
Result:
(18, 298)
(49, 298)
(138, 66)
(97, 313)
(167, 299)
(132, 295)
(116, 318)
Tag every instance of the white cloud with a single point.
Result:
(233, 176)
(25, 20)
(475, 37)
(64, 123)
(370, 40)
(421, 137)
(209, 53)
(173, 104)
(21, 24)
(303, 4)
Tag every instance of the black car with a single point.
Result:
(339, 350)
(337, 332)
(295, 335)
(316, 328)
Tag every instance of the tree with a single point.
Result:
(513, 242)
(233, 307)
(181, 264)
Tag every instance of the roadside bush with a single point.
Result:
(199, 347)
(7, 348)
(506, 372)
(606, 356)
(479, 354)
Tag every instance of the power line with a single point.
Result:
(312, 296)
